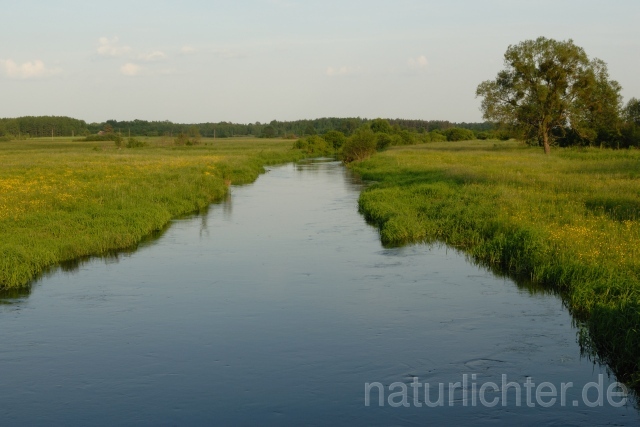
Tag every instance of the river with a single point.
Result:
(281, 307)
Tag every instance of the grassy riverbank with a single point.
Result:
(570, 221)
(62, 199)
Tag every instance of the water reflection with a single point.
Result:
(277, 312)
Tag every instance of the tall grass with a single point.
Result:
(62, 199)
(569, 221)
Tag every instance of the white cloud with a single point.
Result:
(110, 47)
(188, 50)
(156, 55)
(130, 69)
(342, 71)
(27, 70)
(418, 63)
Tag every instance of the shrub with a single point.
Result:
(314, 145)
(383, 140)
(459, 134)
(335, 138)
(407, 137)
(380, 126)
(105, 137)
(117, 139)
(135, 143)
(437, 136)
(361, 145)
(184, 139)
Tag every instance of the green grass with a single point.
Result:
(568, 221)
(64, 199)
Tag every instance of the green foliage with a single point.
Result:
(65, 126)
(380, 126)
(424, 137)
(269, 132)
(361, 145)
(335, 138)
(568, 223)
(189, 139)
(459, 134)
(135, 143)
(551, 85)
(42, 126)
(73, 202)
(310, 130)
(383, 141)
(437, 136)
(104, 137)
(632, 111)
(117, 139)
(314, 146)
(348, 126)
(630, 135)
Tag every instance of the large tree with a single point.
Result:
(548, 86)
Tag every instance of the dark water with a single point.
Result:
(275, 308)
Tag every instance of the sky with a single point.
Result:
(245, 61)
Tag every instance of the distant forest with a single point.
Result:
(30, 126)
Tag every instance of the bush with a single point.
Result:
(380, 126)
(135, 143)
(424, 137)
(504, 135)
(361, 145)
(313, 145)
(383, 141)
(459, 134)
(184, 139)
(407, 137)
(437, 136)
(631, 135)
(335, 138)
(105, 137)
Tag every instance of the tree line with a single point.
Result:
(25, 127)
(31, 126)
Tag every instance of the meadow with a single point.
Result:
(62, 199)
(569, 221)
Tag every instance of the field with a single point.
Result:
(569, 222)
(62, 199)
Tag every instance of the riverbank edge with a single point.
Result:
(18, 273)
(605, 304)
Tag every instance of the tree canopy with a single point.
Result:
(549, 87)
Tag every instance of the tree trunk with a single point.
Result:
(545, 140)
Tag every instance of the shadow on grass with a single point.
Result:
(616, 208)
(407, 178)
(479, 145)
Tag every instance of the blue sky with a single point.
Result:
(259, 60)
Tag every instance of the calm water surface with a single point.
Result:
(275, 308)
